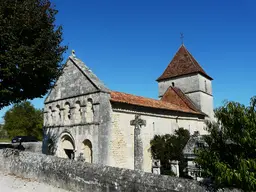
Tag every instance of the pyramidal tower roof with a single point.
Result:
(183, 63)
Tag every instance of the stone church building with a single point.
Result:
(90, 121)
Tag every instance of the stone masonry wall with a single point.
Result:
(122, 135)
(77, 176)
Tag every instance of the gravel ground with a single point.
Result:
(12, 183)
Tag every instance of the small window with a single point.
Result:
(173, 84)
(67, 111)
(205, 85)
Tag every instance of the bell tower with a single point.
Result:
(185, 73)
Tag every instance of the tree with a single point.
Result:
(24, 120)
(169, 147)
(3, 133)
(230, 156)
(30, 49)
(50, 141)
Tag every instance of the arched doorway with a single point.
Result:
(66, 147)
(87, 151)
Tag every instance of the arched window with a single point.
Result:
(205, 85)
(77, 112)
(66, 115)
(89, 111)
(49, 116)
(87, 151)
(57, 115)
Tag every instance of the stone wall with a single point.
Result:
(77, 111)
(197, 87)
(188, 83)
(77, 176)
(122, 135)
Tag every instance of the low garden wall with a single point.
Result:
(78, 176)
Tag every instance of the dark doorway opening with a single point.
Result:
(70, 153)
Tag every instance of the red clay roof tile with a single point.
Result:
(183, 63)
(148, 102)
(175, 96)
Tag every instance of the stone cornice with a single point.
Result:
(198, 91)
(73, 125)
(156, 115)
(66, 98)
(62, 109)
(160, 96)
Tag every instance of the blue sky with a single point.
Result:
(128, 44)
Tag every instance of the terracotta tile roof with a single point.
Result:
(183, 63)
(148, 102)
(175, 96)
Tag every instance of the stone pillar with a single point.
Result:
(175, 167)
(138, 144)
(156, 165)
(138, 149)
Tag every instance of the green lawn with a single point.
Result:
(5, 140)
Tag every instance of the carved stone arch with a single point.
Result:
(89, 115)
(87, 151)
(66, 146)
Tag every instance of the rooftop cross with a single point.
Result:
(73, 53)
(182, 38)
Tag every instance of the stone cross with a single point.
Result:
(182, 38)
(138, 145)
(73, 53)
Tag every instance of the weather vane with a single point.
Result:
(182, 38)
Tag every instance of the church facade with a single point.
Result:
(92, 122)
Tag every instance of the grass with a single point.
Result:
(5, 140)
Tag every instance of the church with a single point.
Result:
(90, 121)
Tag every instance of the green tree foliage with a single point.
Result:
(30, 49)
(169, 147)
(230, 157)
(3, 132)
(24, 120)
(50, 143)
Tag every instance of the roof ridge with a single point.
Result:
(87, 72)
(181, 97)
(130, 99)
(142, 97)
(148, 98)
(191, 56)
(171, 60)
(184, 100)
(183, 63)
(191, 102)
(84, 72)
(167, 91)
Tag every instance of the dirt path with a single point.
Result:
(11, 183)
